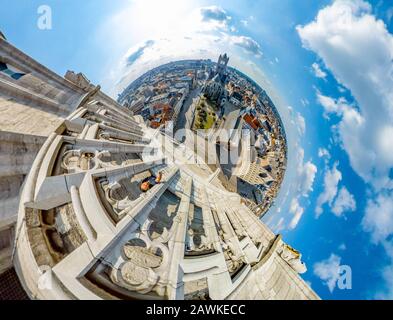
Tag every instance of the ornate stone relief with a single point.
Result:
(234, 262)
(118, 194)
(144, 265)
(198, 243)
(80, 160)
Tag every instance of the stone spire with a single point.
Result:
(222, 65)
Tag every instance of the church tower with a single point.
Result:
(222, 65)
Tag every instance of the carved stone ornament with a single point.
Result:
(142, 257)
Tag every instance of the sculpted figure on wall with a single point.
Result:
(292, 257)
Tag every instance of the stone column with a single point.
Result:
(255, 228)
(208, 221)
(229, 235)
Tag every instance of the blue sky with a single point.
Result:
(327, 66)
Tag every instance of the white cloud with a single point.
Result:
(298, 121)
(322, 152)
(244, 23)
(318, 72)
(304, 102)
(248, 44)
(331, 180)
(297, 210)
(378, 219)
(279, 226)
(135, 53)
(387, 292)
(306, 174)
(358, 49)
(301, 123)
(214, 13)
(307, 177)
(216, 16)
(342, 247)
(330, 105)
(344, 202)
(328, 271)
(301, 186)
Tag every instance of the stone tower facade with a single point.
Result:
(86, 231)
(222, 63)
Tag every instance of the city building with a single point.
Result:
(214, 89)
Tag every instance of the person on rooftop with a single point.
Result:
(150, 182)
